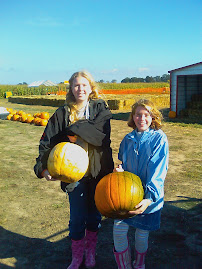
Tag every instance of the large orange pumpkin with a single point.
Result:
(67, 162)
(117, 193)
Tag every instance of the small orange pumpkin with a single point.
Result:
(117, 193)
(9, 116)
(23, 118)
(67, 162)
(43, 122)
(172, 114)
(15, 117)
(21, 113)
(38, 114)
(30, 119)
(44, 115)
(10, 110)
(37, 121)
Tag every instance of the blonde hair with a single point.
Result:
(70, 99)
(150, 107)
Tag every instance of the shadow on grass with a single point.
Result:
(175, 245)
(120, 115)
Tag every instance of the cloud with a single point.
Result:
(45, 21)
(143, 69)
(112, 71)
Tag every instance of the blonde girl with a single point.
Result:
(84, 120)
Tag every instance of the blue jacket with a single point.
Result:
(147, 157)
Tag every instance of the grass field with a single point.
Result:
(34, 213)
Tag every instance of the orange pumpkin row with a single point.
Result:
(136, 91)
(37, 119)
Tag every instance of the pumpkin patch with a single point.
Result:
(117, 193)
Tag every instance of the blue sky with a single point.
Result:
(112, 39)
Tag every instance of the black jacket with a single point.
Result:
(95, 131)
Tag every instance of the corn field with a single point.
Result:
(105, 88)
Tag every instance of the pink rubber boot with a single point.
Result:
(77, 253)
(90, 247)
(123, 259)
(139, 262)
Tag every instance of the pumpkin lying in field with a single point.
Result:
(67, 162)
(172, 114)
(117, 193)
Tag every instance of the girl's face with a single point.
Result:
(142, 118)
(81, 89)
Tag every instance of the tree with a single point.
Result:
(134, 79)
(126, 80)
(149, 79)
(165, 78)
(114, 80)
(24, 83)
(157, 78)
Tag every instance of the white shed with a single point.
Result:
(42, 82)
(185, 86)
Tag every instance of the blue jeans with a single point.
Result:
(83, 212)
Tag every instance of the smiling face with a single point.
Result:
(142, 118)
(81, 89)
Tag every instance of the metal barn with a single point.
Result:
(185, 88)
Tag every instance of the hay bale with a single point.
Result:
(114, 103)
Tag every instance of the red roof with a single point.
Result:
(184, 67)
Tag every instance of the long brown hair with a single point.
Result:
(70, 99)
(151, 108)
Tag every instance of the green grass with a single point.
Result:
(185, 122)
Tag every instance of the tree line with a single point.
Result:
(163, 78)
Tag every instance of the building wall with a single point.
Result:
(178, 78)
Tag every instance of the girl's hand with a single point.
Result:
(118, 169)
(141, 207)
(47, 176)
